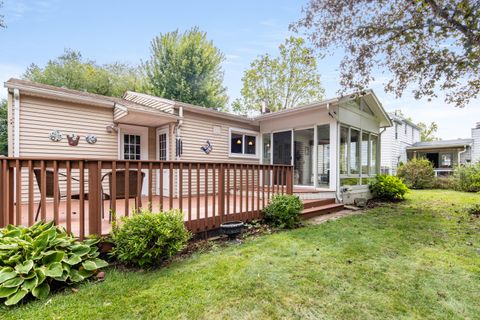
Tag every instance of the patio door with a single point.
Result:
(282, 151)
(162, 155)
(134, 146)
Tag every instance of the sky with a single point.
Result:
(108, 31)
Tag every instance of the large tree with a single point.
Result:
(428, 131)
(3, 127)
(424, 45)
(281, 82)
(186, 67)
(72, 71)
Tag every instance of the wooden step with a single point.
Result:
(310, 203)
(320, 210)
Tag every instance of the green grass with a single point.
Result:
(416, 259)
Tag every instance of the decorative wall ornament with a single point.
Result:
(207, 148)
(56, 135)
(73, 139)
(91, 139)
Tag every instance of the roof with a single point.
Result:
(145, 103)
(441, 144)
(400, 119)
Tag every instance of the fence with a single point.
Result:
(81, 194)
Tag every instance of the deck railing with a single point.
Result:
(81, 194)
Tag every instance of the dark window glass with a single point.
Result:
(236, 143)
(250, 144)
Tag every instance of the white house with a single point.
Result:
(395, 140)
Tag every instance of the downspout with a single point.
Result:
(338, 193)
(16, 115)
(178, 132)
(462, 152)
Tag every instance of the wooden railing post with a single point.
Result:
(221, 193)
(11, 195)
(289, 180)
(3, 199)
(94, 198)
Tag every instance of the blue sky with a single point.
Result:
(108, 31)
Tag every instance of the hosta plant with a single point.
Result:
(34, 259)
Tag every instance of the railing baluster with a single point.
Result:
(3, 192)
(180, 187)
(214, 195)
(31, 202)
(56, 194)
(197, 216)
(228, 191)
(189, 193)
(242, 216)
(170, 187)
(247, 184)
(43, 190)
(150, 185)
(205, 224)
(69, 196)
(138, 199)
(81, 168)
(127, 188)
(160, 191)
(18, 193)
(113, 192)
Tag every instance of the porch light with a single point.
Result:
(250, 143)
(239, 141)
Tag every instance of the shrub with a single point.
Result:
(468, 177)
(147, 238)
(417, 173)
(388, 188)
(34, 259)
(283, 211)
(474, 209)
(449, 183)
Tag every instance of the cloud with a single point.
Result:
(16, 10)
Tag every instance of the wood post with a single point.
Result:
(221, 193)
(3, 200)
(289, 180)
(94, 198)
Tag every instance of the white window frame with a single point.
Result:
(243, 132)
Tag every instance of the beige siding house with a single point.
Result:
(333, 145)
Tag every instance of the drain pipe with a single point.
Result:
(178, 133)
(462, 152)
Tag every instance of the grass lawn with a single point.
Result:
(417, 259)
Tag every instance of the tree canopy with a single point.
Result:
(72, 71)
(281, 82)
(424, 44)
(428, 131)
(186, 67)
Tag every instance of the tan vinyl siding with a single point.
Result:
(195, 131)
(40, 116)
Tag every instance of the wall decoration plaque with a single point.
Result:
(207, 148)
(56, 135)
(91, 139)
(73, 139)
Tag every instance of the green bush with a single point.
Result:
(147, 238)
(283, 211)
(448, 183)
(417, 173)
(34, 259)
(474, 209)
(468, 177)
(388, 188)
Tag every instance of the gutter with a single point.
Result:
(16, 116)
(462, 152)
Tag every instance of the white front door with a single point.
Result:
(134, 146)
(163, 155)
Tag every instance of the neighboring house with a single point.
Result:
(395, 141)
(330, 143)
(444, 154)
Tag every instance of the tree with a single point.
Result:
(427, 131)
(282, 82)
(2, 17)
(423, 44)
(3, 127)
(186, 67)
(70, 70)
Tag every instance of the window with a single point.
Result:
(396, 131)
(354, 151)
(243, 143)
(358, 156)
(131, 147)
(267, 148)
(323, 155)
(446, 160)
(406, 126)
(343, 150)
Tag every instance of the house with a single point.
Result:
(395, 141)
(333, 145)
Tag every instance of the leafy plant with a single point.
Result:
(147, 238)
(388, 188)
(468, 177)
(417, 173)
(474, 209)
(35, 258)
(449, 183)
(283, 211)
